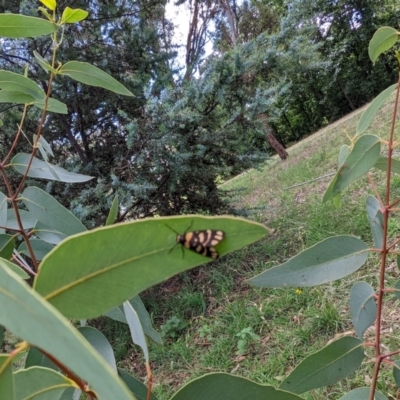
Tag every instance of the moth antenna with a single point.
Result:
(173, 230)
(176, 244)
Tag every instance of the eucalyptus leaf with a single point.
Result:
(384, 39)
(18, 270)
(22, 26)
(375, 218)
(36, 358)
(40, 248)
(135, 386)
(50, 212)
(7, 244)
(112, 215)
(396, 372)
(40, 169)
(362, 307)
(28, 220)
(29, 317)
(49, 235)
(43, 63)
(363, 157)
(136, 329)
(72, 16)
(19, 83)
(40, 383)
(53, 105)
(90, 273)
(329, 260)
(362, 393)
(8, 96)
(117, 314)
(369, 114)
(6, 378)
(100, 344)
(382, 164)
(92, 76)
(327, 366)
(3, 212)
(220, 386)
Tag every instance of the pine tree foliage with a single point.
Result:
(292, 67)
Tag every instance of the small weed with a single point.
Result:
(205, 331)
(246, 336)
(173, 327)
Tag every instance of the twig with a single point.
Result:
(312, 180)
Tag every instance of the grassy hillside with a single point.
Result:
(208, 310)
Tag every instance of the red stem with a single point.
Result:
(384, 251)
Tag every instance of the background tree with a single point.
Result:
(277, 71)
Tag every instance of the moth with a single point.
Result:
(201, 242)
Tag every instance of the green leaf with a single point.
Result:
(53, 105)
(1, 335)
(70, 16)
(43, 63)
(337, 201)
(220, 386)
(36, 358)
(344, 152)
(29, 317)
(3, 211)
(28, 220)
(375, 218)
(329, 260)
(112, 215)
(136, 329)
(50, 4)
(39, 169)
(39, 247)
(22, 26)
(6, 378)
(18, 270)
(44, 145)
(384, 39)
(13, 82)
(135, 386)
(382, 164)
(362, 307)
(92, 76)
(397, 289)
(40, 383)
(8, 96)
(90, 273)
(7, 245)
(362, 158)
(100, 343)
(145, 319)
(117, 314)
(396, 372)
(69, 394)
(361, 394)
(334, 362)
(369, 114)
(47, 234)
(50, 212)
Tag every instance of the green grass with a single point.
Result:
(216, 303)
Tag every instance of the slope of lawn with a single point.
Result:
(214, 321)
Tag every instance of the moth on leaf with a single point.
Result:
(202, 242)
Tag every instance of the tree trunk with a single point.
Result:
(271, 139)
(352, 106)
